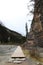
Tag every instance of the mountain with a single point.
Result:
(7, 35)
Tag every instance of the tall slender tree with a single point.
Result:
(26, 31)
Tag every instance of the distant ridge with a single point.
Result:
(7, 35)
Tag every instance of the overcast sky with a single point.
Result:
(13, 14)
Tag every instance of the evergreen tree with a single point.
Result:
(26, 31)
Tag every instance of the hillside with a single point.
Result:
(7, 35)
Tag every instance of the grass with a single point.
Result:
(27, 53)
(36, 58)
(40, 59)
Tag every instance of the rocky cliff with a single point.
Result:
(37, 23)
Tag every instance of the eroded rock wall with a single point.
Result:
(37, 23)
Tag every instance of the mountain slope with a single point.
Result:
(7, 35)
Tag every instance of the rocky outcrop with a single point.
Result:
(37, 23)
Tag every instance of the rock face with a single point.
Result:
(37, 23)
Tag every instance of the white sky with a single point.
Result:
(13, 14)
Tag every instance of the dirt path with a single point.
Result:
(5, 53)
